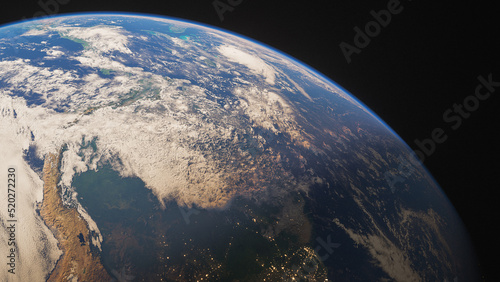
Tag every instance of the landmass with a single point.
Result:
(71, 231)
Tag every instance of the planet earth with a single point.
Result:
(144, 148)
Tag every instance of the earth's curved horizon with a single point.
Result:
(145, 147)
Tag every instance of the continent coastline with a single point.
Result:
(77, 259)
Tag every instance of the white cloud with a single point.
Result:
(254, 63)
(36, 245)
(102, 39)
